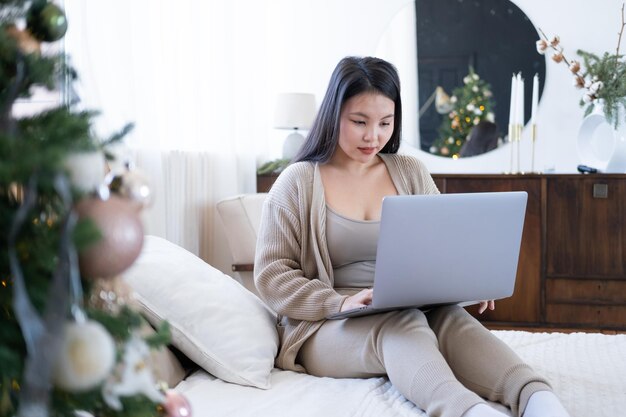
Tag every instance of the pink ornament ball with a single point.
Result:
(176, 405)
(122, 236)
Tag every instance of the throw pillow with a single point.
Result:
(214, 320)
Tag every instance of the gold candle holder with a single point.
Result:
(512, 133)
(518, 140)
(533, 137)
(515, 136)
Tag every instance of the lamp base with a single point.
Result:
(292, 145)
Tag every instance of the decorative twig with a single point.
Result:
(594, 86)
(550, 44)
(575, 69)
(619, 39)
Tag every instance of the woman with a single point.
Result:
(316, 255)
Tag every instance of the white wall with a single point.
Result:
(273, 46)
(306, 38)
(254, 49)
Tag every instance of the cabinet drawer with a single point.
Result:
(585, 231)
(586, 315)
(588, 291)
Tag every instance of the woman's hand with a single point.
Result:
(486, 304)
(360, 299)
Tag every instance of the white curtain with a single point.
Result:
(398, 44)
(190, 75)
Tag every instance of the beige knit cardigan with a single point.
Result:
(292, 268)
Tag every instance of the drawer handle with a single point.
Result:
(600, 191)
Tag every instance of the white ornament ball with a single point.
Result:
(86, 170)
(85, 358)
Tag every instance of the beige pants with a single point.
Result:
(444, 361)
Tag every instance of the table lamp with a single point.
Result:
(294, 111)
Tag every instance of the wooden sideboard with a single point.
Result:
(572, 265)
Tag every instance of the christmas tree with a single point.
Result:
(69, 340)
(471, 103)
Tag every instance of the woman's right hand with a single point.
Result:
(360, 299)
(484, 305)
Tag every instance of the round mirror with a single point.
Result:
(467, 50)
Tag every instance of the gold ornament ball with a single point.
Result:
(46, 21)
(111, 295)
(122, 236)
(133, 185)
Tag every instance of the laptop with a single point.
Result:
(445, 249)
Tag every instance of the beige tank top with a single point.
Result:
(352, 248)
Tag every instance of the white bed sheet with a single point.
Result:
(588, 372)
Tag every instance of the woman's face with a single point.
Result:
(365, 127)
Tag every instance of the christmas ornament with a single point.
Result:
(443, 104)
(122, 236)
(86, 170)
(133, 185)
(46, 21)
(25, 40)
(134, 377)
(111, 294)
(176, 405)
(85, 358)
(120, 157)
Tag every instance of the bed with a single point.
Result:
(230, 336)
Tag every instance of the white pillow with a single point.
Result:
(214, 320)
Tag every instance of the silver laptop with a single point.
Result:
(445, 249)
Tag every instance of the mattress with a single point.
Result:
(587, 371)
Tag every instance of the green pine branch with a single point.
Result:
(611, 70)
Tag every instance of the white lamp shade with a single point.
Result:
(294, 111)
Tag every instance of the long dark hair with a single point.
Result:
(352, 76)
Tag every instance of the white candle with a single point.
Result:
(512, 114)
(535, 101)
(520, 100)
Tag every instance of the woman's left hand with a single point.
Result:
(491, 305)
